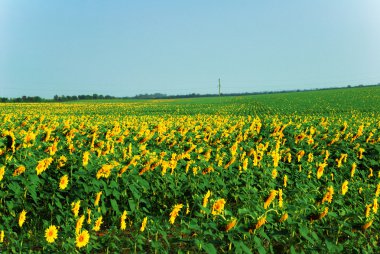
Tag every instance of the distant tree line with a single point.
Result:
(82, 97)
(63, 98)
(23, 99)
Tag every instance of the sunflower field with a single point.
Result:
(280, 173)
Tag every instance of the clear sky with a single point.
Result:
(124, 48)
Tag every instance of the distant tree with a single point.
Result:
(35, 99)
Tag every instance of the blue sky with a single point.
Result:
(124, 48)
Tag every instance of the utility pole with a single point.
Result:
(219, 86)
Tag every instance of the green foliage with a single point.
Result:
(146, 158)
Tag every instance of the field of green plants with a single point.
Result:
(275, 173)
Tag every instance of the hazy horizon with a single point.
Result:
(124, 48)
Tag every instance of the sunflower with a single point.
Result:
(271, 197)
(51, 233)
(82, 239)
(367, 225)
(63, 182)
(320, 170)
(97, 199)
(280, 199)
(274, 173)
(285, 180)
(104, 171)
(370, 173)
(310, 157)
(324, 213)
(2, 236)
(22, 218)
(233, 159)
(300, 154)
(62, 161)
(88, 216)
(43, 165)
(353, 168)
(143, 224)
(205, 198)
(327, 155)
(368, 210)
(276, 158)
(284, 217)
(329, 195)
(79, 224)
(123, 225)
(30, 136)
(174, 213)
(261, 222)
(2, 171)
(299, 138)
(361, 151)
(86, 156)
(98, 222)
(344, 187)
(375, 205)
(218, 206)
(18, 171)
(231, 224)
(75, 207)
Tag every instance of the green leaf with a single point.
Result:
(315, 236)
(58, 203)
(103, 208)
(263, 234)
(259, 245)
(33, 178)
(115, 206)
(304, 232)
(209, 248)
(193, 225)
(165, 237)
(134, 191)
(333, 248)
(330, 246)
(245, 248)
(10, 206)
(132, 204)
(33, 193)
(59, 219)
(15, 188)
(113, 184)
(243, 211)
(85, 187)
(116, 194)
(142, 182)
